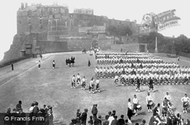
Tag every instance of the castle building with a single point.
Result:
(56, 21)
(51, 28)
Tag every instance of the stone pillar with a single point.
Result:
(156, 46)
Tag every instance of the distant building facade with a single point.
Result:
(51, 28)
(55, 21)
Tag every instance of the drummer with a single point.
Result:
(136, 104)
(168, 98)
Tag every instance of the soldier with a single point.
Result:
(78, 79)
(116, 80)
(185, 100)
(39, 64)
(136, 104)
(168, 99)
(151, 86)
(138, 85)
(53, 64)
(97, 85)
(91, 85)
(73, 82)
(149, 102)
(83, 82)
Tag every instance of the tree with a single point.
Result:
(119, 31)
(111, 30)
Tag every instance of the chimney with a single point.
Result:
(26, 5)
(22, 5)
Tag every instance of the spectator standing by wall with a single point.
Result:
(12, 66)
(53, 64)
(39, 64)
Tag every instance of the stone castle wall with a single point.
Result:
(44, 27)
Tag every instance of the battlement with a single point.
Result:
(42, 10)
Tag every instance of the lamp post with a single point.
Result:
(173, 48)
(156, 45)
(155, 29)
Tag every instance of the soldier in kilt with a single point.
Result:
(185, 100)
(83, 82)
(136, 105)
(165, 107)
(73, 82)
(116, 80)
(150, 103)
(97, 85)
(130, 111)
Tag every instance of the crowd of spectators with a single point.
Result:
(113, 119)
(94, 119)
(34, 116)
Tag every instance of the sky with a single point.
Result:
(117, 9)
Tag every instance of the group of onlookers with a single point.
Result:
(37, 115)
(110, 119)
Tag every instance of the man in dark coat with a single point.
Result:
(12, 66)
(94, 111)
(36, 109)
(114, 122)
(98, 121)
(89, 63)
(84, 117)
(151, 86)
(138, 85)
(121, 121)
(19, 106)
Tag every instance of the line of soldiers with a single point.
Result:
(93, 87)
(111, 72)
(148, 65)
(114, 54)
(111, 61)
(164, 79)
